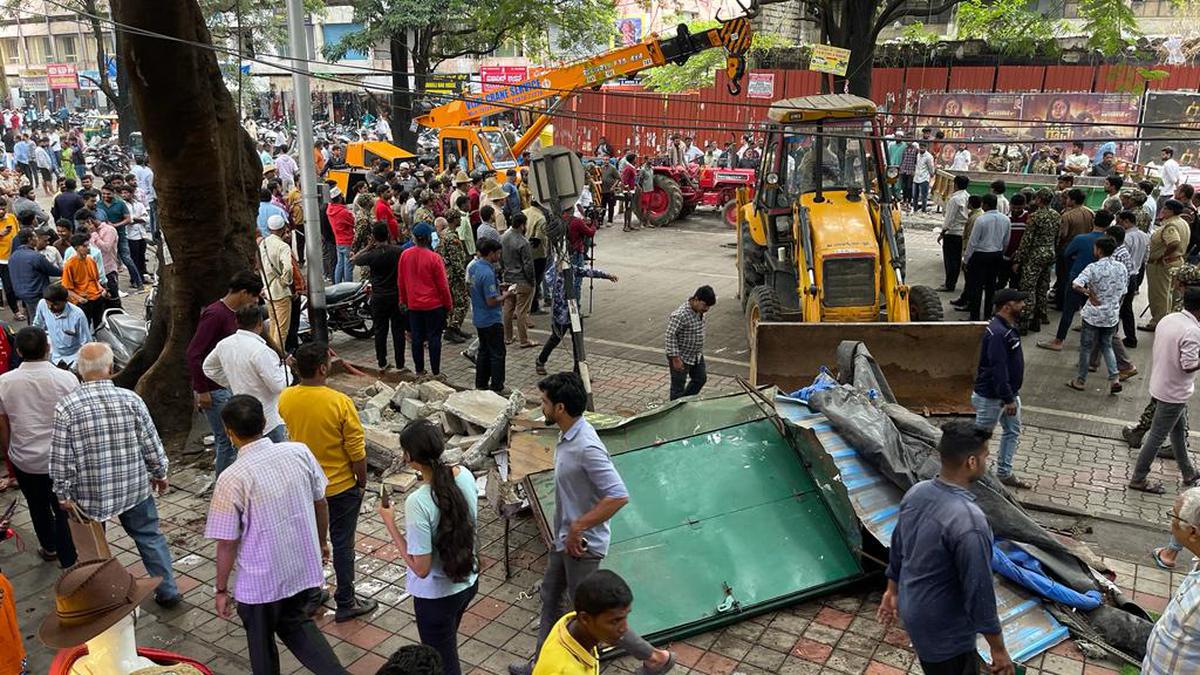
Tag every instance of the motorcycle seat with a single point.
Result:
(341, 292)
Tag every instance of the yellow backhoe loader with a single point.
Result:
(821, 259)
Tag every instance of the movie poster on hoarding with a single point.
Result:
(1181, 111)
(1060, 118)
(970, 116)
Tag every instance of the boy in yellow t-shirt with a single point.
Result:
(602, 605)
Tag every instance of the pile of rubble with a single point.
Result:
(475, 424)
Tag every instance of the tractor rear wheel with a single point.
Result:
(663, 204)
(686, 209)
(924, 304)
(730, 213)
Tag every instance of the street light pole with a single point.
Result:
(298, 46)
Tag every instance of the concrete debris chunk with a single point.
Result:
(412, 408)
(370, 416)
(405, 390)
(379, 401)
(433, 391)
(478, 455)
(480, 408)
(452, 456)
(401, 481)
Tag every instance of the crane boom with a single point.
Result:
(733, 35)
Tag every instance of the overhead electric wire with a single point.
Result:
(731, 127)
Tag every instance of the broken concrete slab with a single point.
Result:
(477, 407)
(402, 481)
(433, 391)
(370, 415)
(478, 455)
(379, 401)
(405, 390)
(412, 408)
(383, 447)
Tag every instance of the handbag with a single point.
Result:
(88, 535)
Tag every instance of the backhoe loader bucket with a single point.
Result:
(930, 366)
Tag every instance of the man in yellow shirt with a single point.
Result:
(326, 421)
(602, 605)
(8, 232)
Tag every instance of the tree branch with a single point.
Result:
(896, 9)
(482, 51)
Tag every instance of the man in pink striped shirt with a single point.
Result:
(272, 528)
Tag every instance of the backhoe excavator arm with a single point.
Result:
(733, 35)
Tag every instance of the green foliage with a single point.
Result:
(1009, 26)
(700, 70)
(1110, 24)
(917, 34)
(447, 29)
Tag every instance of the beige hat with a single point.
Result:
(461, 177)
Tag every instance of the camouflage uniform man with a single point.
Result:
(454, 256)
(1035, 255)
(1044, 164)
(996, 162)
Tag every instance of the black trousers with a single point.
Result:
(288, 619)
(426, 326)
(689, 381)
(539, 272)
(49, 521)
(608, 203)
(952, 245)
(489, 361)
(94, 310)
(967, 663)
(557, 332)
(437, 625)
(343, 523)
(386, 315)
(1128, 320)
(293, 338)
(10, 293)
(1061, 282)
(982, 271)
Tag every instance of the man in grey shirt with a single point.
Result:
(588, 492)
(985, 254)
(516, 259)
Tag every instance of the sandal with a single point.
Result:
(1158, 561)
(1114, 388)
(1077, 384)
(1155, 488)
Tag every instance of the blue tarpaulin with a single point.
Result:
(1019, 567)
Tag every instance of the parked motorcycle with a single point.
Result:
(347, 308)
(125, 334)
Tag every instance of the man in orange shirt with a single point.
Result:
(81, 278)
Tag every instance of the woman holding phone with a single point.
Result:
(438, 544)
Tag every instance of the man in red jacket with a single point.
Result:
(383, 210)
(425, 291)
(341, 221)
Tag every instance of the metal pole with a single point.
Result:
(298, 46)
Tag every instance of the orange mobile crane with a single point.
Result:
(465, 142)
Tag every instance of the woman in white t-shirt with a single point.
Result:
(439, 541)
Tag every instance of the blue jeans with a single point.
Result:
(277, 435)
(225, 452)
(141, 524)
(135, 277)
(989, 411)
(1088, 339)
(921, 196)
(343, 271)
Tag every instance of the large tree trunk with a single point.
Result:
(207, 178)
(855, 30)
(402, 98)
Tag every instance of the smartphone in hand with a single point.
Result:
(385, 499)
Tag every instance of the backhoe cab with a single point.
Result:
(821, 259)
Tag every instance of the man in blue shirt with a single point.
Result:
(940, 575)
(29, 271)
(996, 397)
(265, 210)
(486, 303)
(65, 324)
(23, 156)
(588, 492)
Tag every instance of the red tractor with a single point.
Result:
(678, 190)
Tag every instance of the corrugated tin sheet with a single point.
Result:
(1069, 78)
(1028, 628)
(972, 78)
(720, 526)
(1020, 78)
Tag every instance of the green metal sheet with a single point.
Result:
(719, 526)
